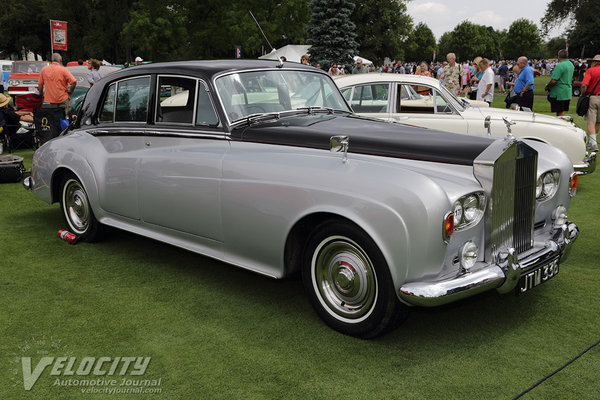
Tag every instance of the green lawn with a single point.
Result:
(218, 332)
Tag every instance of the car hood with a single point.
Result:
(366, 136)
(516, 116)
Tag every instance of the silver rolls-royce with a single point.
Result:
(264, 165)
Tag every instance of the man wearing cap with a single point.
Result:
(360, 68)
(560, 87)
(138, 61)
(590, 86)
(56, 84)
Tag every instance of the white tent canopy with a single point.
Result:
(291, 52)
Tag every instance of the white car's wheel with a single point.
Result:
(348, 281)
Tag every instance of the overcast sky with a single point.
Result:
(443, 15)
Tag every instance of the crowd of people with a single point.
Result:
(515, 80)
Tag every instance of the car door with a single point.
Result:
(425, 106)
(180, 168)
(122, 123)
(370, 100)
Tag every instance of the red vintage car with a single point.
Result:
(23, 83)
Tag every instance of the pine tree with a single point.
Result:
(331, 33)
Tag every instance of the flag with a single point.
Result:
(59, 35)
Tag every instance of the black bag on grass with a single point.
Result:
(11, 168)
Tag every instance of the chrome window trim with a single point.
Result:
(152, 131)
(220, 75)
(117, 96)
(158, 76)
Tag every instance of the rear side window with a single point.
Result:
(107, 114)
(176, 100)
(132, 100)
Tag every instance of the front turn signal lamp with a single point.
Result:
(448, 226)
(573, 184)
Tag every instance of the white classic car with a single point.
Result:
(422, 101)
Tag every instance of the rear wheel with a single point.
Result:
(77, 211)
(576, 91)
(348, 281)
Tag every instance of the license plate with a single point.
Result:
(537, 276)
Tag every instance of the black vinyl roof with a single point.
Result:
(209, 68)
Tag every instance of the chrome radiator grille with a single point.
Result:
(513, 199)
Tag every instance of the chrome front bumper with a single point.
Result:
(502, 275)
(588, 166)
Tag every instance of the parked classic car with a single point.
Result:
(398, 103)
(265, 166)
(24, 76)
(4, 74)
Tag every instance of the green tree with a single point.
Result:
(331, 33)
(583, 16)
(468, 40)
(522, 39)
(382, 28)
(24, 27)
(155, 29)
(421, 44)
(553, 46)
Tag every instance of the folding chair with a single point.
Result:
(47, 124)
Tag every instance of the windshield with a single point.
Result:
(455, 101)
(273, 91)
(28, 68)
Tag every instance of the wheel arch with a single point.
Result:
(299, 235)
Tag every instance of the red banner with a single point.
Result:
(59, 35)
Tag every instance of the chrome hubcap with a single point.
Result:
(344, 278)
(76, 206)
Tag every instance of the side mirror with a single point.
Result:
(487, 124)
(338, 144)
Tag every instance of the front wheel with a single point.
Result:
(576, 91)
(77, 211)
(348, 281)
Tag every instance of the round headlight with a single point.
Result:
(12, 82)
(458, 212)
(468, 255)
(550, 184)
(539, 187)
(471, 208)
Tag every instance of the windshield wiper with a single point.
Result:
(312, 109)
(256, 117)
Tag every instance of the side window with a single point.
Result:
(347, 93)
(176, 100)
(205, 115)
(370, 98)
(132, 100)
(441, 106)
(414, 99)
(107, 114)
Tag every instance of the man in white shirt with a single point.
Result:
(485, 89)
